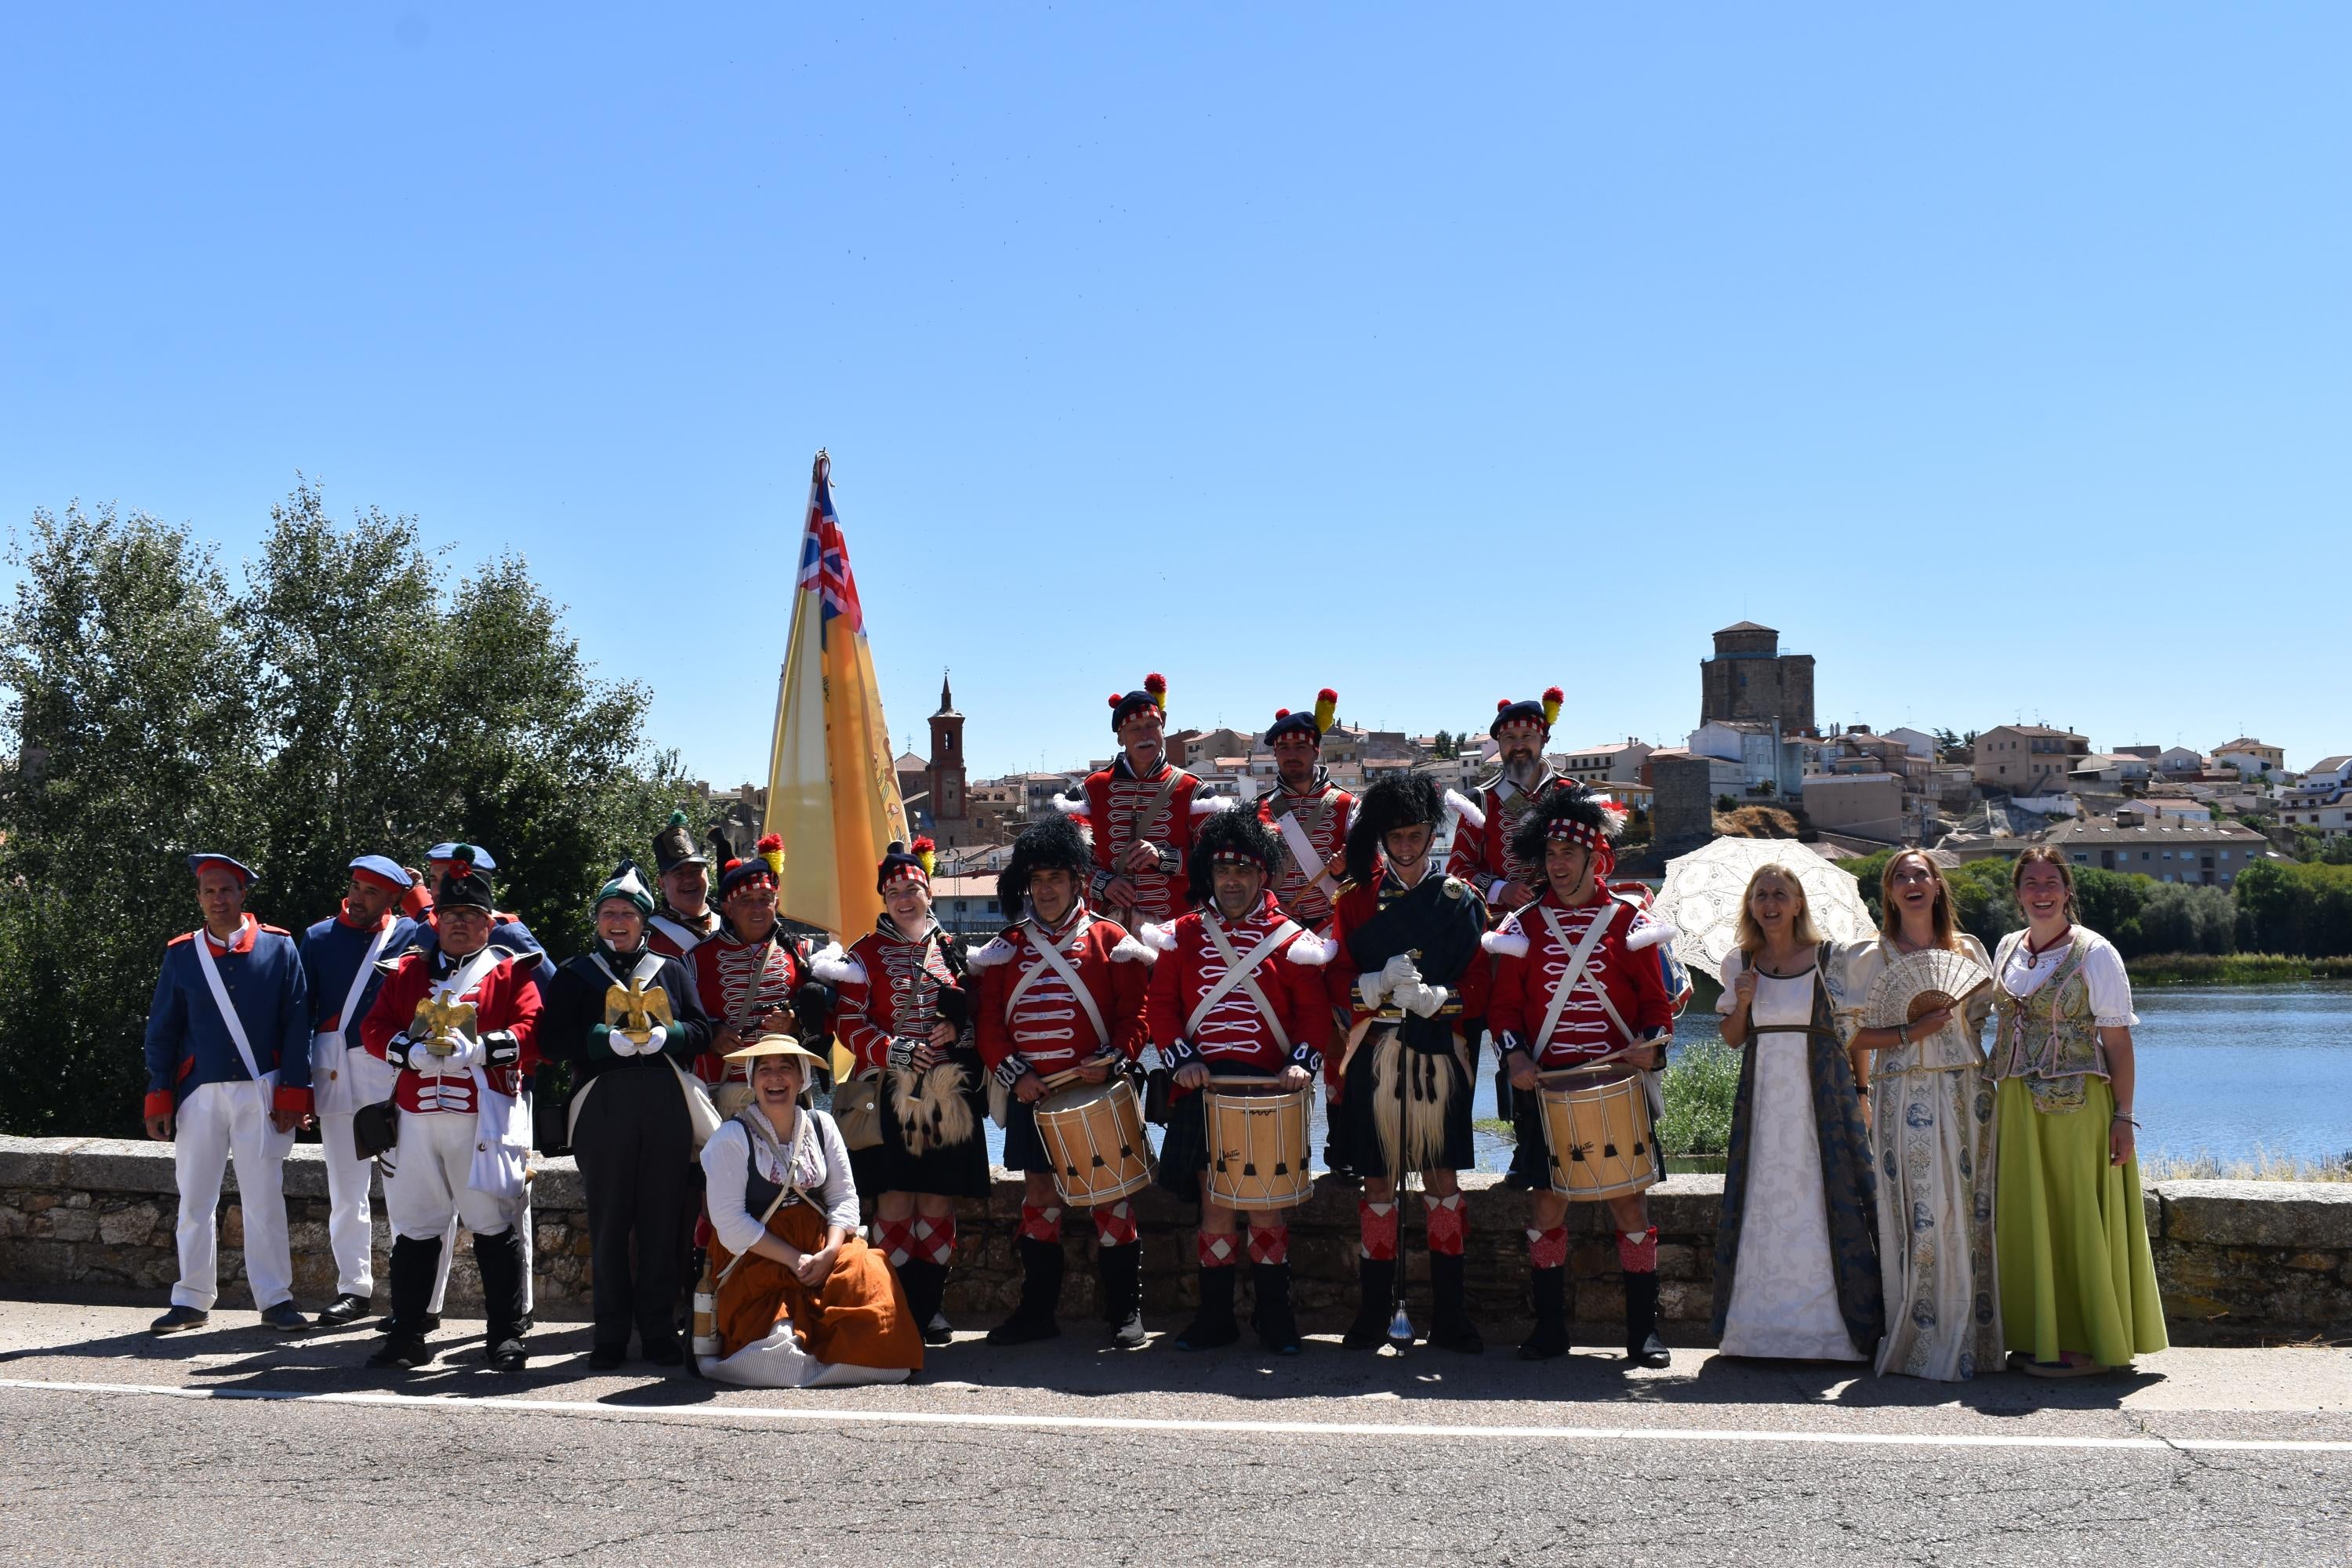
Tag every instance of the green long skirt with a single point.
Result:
(2076, 1271)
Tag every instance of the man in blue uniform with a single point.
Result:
(228, 1076)
(340, 958)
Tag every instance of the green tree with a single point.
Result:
(348, 701)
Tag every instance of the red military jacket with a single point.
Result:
(1119, 811)
(1321, 816)
(889, 990)
(1236, 1036)
(1531, 963)
(1357, 906)
(1482, 854)
(672, 935)
(722, 964)
(1029, 1021)
(505, 1000)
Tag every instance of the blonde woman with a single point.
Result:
(1796, 1266)
(1931, 1137)
(2078, 1283)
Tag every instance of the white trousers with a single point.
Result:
(780, 1362)
(426, 1190)
(351, 1213)
(217, 1123)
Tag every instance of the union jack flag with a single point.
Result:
(824, 556)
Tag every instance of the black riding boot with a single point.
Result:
(1376, 1281)
(1277, 1329)
(1041, 1294)
(1121, 1272)
(414, 1265)
(926, 1283)
(1215, 1326)
(1450, 1324)
(1550, 1338)
(499, 1259)
(1642, 1345)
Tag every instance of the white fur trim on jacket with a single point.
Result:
(1159, 936)
(1130, 951)
(1312, 951)
(1463, 807)
(1649, 933)
(998, 951)
(1070, 805)
(1505, 941)
(1208, 804)
(833, 965)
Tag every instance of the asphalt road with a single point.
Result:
(234, 1446)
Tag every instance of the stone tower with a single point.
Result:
(1750, 681)
(947, 778)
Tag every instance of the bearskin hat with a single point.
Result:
(1224, 836)
(1398, 800)
(1056, 843)
(1579, 815)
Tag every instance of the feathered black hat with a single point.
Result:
(464, 886)
(1152, 693)
(1529, 711)
(674, 847)
(1227, 836)
(1054, 844)
(1579, 816)
(1307, 723)
(1401, 800)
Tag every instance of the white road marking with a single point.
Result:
(467, 1402)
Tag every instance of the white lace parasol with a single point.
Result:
(1701, 898)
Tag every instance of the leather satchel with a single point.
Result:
(857, 1111)
(375, 1128)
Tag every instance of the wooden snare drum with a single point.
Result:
(1597, 1131)
(1258, 1143)
(1093, 1133)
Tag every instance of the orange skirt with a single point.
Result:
(859, 1317)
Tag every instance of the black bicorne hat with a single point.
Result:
(1228, 834)
(1056, 843)
(1401, 800)
(674, 847)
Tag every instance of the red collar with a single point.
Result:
(344, 915)
(250, 928)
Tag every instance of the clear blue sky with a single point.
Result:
(1999, 356)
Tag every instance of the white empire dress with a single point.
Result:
(1784, 1299)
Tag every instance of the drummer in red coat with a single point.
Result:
(1140, 813)
(1060, 990)
(1548, 1011)
(1238, 992)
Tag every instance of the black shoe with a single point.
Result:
(179, 1320)
(344, 1309)
(1215, 1327)
(607, 1357)
(507, 1354)
(1449, 1326)
(499, 1260)
(1121, 1274)
(1277, 1328)
(939, 1331)
(665, 1352)
(1040, 1296)
(1549, 1339)
(414, 1265)
(1375, 1284)
(1516, 1182)
(285, 1319)
(403, 1351)
(1642, 1345)
(430, 1323)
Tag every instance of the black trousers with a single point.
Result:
(634, 1146)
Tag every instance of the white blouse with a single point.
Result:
(2021, 974)
(823, 1174)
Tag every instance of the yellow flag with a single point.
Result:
(832, 793)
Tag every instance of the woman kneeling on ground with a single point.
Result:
(802, 1300)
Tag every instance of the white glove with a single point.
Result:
(1398, 970)
(655, 1037)
(1420, 1000)
(469, 1053)
(421, 1057)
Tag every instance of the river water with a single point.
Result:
(2231, 1071)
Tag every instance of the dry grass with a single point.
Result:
(2264, 1166)
(1756, 822)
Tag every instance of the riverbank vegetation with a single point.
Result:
(2234, 969)
(2262, 1167)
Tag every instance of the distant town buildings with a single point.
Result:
(1749, 680)
(2027, 759)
